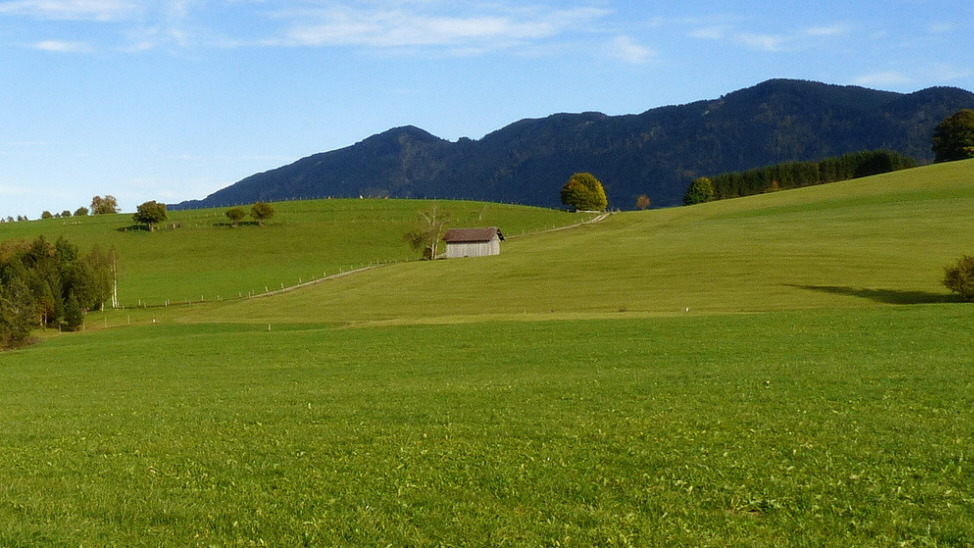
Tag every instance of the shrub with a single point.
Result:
(261, 211)
(235, 215)
(959, 278)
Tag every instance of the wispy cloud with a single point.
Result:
(769, 42)
(886, 78)
(394, 28)
(942, 72)
(625, 48)
(465, 28)
(94, 10)
(762, 42)
(717, 32)
(61, 46)
(829, 30)
(941, 28)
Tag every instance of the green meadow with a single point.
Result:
(778, 370)
(196, 255)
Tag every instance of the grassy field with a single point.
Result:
(818, 393)
(880, 240)
(808, 428)
(206, 259)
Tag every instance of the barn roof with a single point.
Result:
(468, 235)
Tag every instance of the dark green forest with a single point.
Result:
(799, 174)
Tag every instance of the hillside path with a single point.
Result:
(596, 219)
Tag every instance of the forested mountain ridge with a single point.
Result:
(656, 153)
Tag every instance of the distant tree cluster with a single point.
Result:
(800, 174)
(62, 215)
(106, 205)
(44, 284)
(260, 212)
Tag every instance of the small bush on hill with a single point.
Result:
(959, 278)
(261, 211)
(235, 215)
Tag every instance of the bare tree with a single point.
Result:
(429, 231)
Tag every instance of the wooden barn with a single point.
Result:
(473, 242)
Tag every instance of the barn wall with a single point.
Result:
(473, 249)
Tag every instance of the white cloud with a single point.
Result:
(831, 30)
(60, 46)
(401, 28)
(625, 48)
(12, 190)
(887, 78)
(710, 33)
(796, 39)
(946, 73)
(95, 10)
(941, 28)
(763, 42)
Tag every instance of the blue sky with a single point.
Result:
(173, 99)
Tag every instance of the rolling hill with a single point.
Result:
(655, 153)
(869, 241)
(782, 369)
(196, 256)
(816, 393)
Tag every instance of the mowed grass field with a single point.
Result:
(205, 259)
(835, 428)
(880, 240)
(818, 392)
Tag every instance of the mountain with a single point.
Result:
(656, 153)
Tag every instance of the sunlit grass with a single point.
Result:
(873, 241)
(205, 259)
(815, 428)
(779, 370)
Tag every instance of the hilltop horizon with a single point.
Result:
(656, 152)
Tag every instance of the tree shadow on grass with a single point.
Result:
(144, 228)
(228, 224)
(885, 296)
